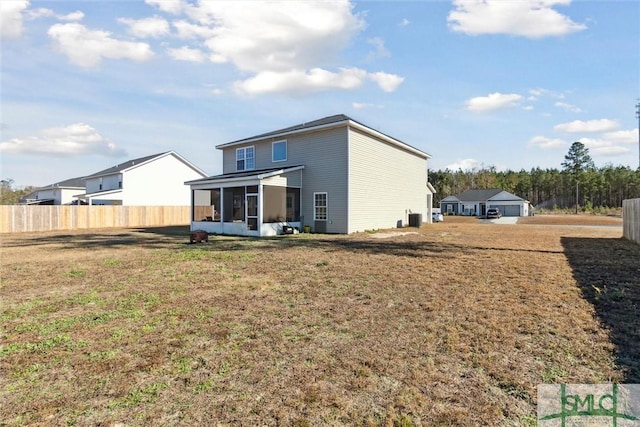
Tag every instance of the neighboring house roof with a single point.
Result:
(69, 184)
(130, 164)
(492, 194)
(326, 122)
(258, 174)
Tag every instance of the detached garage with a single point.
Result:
(476, 203)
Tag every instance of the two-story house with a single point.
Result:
(59, 193)
(155, 180)
(334, 175)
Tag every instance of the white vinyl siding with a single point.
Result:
(324, 156)
(158, 183)
(386, 184)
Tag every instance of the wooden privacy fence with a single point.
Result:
(23, 218)
(631, 219)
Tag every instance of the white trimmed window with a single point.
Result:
(279, 151)
(245, 158)
(319, 206)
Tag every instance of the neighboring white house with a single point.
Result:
(476, 203)
(333, 175)
(155, 180)
(60, 193)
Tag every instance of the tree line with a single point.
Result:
(604, 187)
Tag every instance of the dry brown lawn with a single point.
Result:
(453, 325)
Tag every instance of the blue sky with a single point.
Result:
(505, 83)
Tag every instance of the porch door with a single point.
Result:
(251, 202)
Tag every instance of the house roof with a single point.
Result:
(257, 174)
(491, 194)
(67, 183)
(325, 122)
(141, 160)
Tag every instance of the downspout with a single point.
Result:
(260, 206)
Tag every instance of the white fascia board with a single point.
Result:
(248, 178)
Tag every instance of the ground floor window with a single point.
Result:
(206, 205)
(320, 205)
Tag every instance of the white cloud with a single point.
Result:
(568, 107)
(75, 139)
(493, 101)
(73, 16)
(527, 18)
(547, 143)
(186, 53)
(297, 82)
(42, 12)
(154, 26)
(257, 36)
(380, 51)
(387, 82)
(300, 81)
(11, 18)
(363, 105)
(603, 147)
(465, 165)
(187, 30)
(404, 22)
(579, 126)
(622, 136)
(87, 48)
(169, 6)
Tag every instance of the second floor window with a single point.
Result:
(245, 158)
(279, 151)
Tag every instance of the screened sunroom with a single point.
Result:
(257, 203)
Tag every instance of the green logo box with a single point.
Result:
(577, 405)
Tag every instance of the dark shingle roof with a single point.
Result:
(478, 195)
(71, 182)
(126, 165)
(320, 122)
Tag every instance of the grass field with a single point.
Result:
(452, 324)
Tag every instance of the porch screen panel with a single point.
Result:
(206, 205)
(275, 209)
(233, 204)
(281, 204)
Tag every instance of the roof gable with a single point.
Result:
(126, 165)
(123, 167)
(491, 194)
(505, 196)
(326, 122)
(478, 195)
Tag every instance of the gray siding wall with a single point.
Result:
(324, 155)
(385, 184)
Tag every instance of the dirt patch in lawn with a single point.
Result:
(453, 325)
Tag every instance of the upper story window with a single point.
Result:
(245, 158)
(279, 151)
